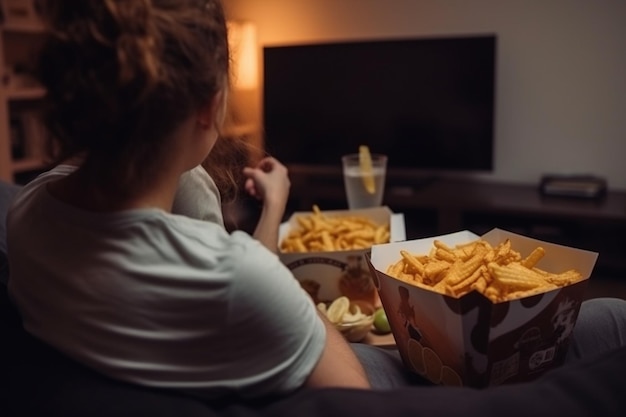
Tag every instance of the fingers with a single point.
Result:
(250, 188)
(268, 164)
(268, 178)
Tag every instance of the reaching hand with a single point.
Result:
(268, 182)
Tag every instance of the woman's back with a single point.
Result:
(158, 299)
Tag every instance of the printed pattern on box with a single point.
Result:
(470, 340)
(328, 275)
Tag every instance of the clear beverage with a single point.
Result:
(357, 194)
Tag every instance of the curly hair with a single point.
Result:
(122, 75)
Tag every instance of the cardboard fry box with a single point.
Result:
(328, 275)
(471, 340)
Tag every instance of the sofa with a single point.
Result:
(36, 380)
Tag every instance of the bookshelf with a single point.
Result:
(22, 135)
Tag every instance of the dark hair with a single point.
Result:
(121, 75)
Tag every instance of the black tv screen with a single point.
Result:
(428, 103)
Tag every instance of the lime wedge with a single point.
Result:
(365, 162)
(337, 309)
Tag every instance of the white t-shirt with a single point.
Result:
(159, 299)
(197, 197)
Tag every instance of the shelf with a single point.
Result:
(27, 93)
(27, 164)
(31, 28)
(240, 130)
(22, 33)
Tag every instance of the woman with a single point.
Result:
(100, 267)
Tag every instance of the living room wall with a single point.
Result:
(561, 69)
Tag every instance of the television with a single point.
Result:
(427, 102)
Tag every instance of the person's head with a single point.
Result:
(123, 75)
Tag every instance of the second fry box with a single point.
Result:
(470, 340)
(328, 275)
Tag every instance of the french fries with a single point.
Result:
(318, 232)
(498, 272)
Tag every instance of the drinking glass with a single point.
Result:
(355, 179)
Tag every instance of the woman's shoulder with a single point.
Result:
(207, 234)
(240, 247)
(235, 254)
(198, 197)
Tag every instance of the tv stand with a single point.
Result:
(408, 187)
(438, 205)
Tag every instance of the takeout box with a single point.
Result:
(328, 275)
(471, 340)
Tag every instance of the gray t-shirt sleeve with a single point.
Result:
(197, 197)
(277, 317)
(170, 302)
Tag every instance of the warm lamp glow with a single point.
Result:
(243, 49)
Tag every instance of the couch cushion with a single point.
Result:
(7, 192)
(589, 388)
(4, 269)
(39, 381)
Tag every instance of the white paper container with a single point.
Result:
(470, 340)
(320, 273)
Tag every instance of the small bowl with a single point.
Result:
(356, 331)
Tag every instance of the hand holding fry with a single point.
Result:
(268, 179)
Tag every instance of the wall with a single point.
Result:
(561, 68)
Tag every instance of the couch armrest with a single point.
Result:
(7, 192)
(40, 381)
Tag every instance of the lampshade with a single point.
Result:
(243, 49)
